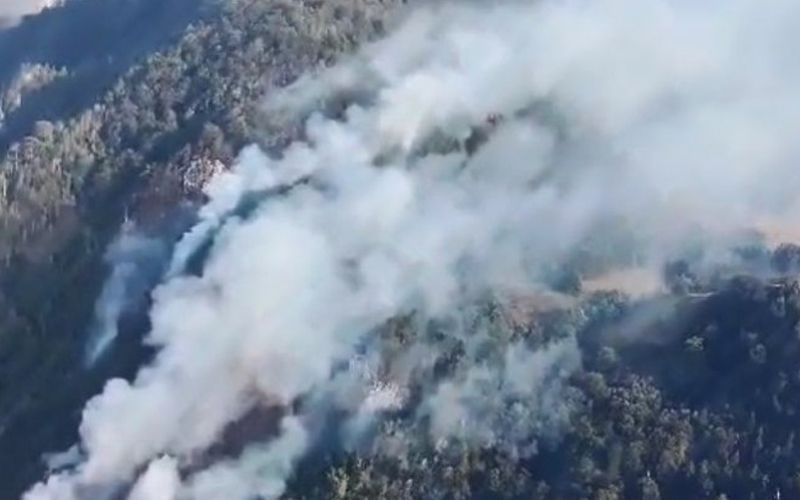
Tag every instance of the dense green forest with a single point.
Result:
(707, 410)
(121, 120)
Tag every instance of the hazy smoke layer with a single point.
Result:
(668, 116)
(136, 263)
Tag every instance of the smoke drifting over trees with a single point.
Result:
(376, 234)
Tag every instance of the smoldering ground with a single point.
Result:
(671, 119)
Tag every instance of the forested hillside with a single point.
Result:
(708, 411)
(106, 106)
(118, 112)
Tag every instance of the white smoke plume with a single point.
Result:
(159, 482)
(135, 262)
(528, 385)
(225, 192)
(671, 116)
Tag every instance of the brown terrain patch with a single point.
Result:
(633, 281)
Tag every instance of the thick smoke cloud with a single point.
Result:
(672, 118)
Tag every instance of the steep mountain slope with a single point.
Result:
(79, 157)
(439, 371)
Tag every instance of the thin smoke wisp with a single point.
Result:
(135, 263)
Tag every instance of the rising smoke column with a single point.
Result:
(680, 116)
(135, 262)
